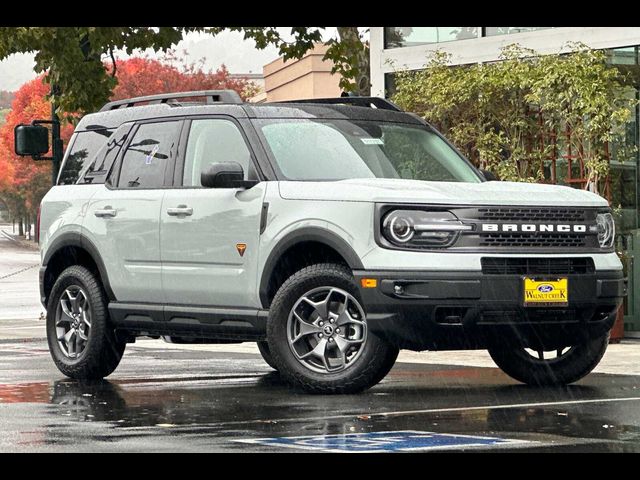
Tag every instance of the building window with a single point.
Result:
(395, 37)
(491, 31)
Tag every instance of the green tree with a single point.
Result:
(74, 57)
(500, 114)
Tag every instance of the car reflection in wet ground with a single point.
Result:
(187, 400)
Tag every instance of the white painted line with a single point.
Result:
(400, 413)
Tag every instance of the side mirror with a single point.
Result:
(488, 176)
(31, 140)
(225, 175)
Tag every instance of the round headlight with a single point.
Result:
(606, 230)
(419, 229)
(401, 228)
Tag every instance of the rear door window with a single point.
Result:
(97, 170)
(150, 156)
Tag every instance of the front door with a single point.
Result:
(209, 236)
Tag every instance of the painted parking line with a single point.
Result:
(393, 441)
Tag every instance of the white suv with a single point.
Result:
(331, 232)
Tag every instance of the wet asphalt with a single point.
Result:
(173, 400)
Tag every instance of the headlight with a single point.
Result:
(421, 229)
(606, 230)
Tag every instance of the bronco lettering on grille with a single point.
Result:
(532, 227)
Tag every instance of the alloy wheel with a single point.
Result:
(327, 329)
(73, 321)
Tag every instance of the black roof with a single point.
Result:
(112, 119)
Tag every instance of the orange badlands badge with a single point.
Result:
(241, 247)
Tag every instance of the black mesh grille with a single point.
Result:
(537, 266)
(548, 240)
(532, 214)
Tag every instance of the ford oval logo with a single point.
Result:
(545, 288)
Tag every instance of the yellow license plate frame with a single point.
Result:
(545, 292)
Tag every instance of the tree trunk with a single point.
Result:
(358, 58)
(21, 226)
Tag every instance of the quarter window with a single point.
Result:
(83, 149)
(150, 155)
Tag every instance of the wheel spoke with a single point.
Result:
(82, 335)
(305, 329)
(345, 318)
(344, 343)
(67, 316)
(85, 319)
(318, 351)
(321, 308)
(73, 301)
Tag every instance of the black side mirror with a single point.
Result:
(488, 176)
(31, 140)
(225, 175)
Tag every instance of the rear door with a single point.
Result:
(123, 218)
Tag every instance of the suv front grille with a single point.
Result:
(544, 215)
(537, 266)
(528, 228)
(526, 240)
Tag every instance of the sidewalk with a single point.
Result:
(6, 232)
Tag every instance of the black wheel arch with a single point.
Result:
(71, 248)
(316, 235)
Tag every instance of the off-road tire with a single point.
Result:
(571, 367)
(103, 350)
(377, 356)
(266, 354)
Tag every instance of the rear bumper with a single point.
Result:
(465, 310)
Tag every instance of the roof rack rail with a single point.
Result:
(369, 102)
(212, 96)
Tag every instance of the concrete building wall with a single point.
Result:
(308, 77)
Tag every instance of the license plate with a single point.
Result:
(540, 293)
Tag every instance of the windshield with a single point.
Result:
(306, 149)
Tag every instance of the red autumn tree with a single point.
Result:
(23, 181)
(140, 76)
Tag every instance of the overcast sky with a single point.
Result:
(239, 55)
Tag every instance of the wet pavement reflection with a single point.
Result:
(203, 401)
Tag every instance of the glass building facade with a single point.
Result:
(398, 37)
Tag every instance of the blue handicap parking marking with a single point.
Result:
(402, 440)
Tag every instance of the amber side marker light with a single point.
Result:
(369, 282)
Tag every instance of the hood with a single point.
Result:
(449, 193)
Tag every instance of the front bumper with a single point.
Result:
(465, 310)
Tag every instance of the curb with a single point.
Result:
(22, 242)
(9, 236)
(22, 340)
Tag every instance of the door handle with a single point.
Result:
(106, 212)
(179, 211)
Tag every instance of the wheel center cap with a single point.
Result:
(328, 330)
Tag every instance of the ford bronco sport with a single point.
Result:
(331, 232)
